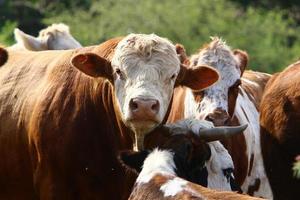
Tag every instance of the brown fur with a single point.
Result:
(280, 131)
(61, 130)
(56, 123)
(151, 190)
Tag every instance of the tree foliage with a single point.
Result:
(269, 36)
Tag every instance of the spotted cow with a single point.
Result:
(231, 101)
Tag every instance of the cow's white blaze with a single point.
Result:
(147, 68)
(218, 55)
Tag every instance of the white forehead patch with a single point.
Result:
(158, 161)
(218, 55)
(137, 47)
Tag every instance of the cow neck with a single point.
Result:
(120, 130)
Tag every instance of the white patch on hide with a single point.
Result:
(157, 162)
(173, 187)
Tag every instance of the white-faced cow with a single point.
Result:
(231, 101)
(65, 114)
(165, 173)
(280, 131)
(54, 37)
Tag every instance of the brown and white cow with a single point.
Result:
(231, 101)
(54, 37)
(280, 131)
(165, 172)
(65, 114)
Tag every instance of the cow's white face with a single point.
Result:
(146, 67)
(143, 70)
(215, 101)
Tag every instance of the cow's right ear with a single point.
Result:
(133, 159)
(197, 78)
(3, 56)
(93, 65)
(28, 42)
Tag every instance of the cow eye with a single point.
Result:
(173, 77)
(119, 73)
(228, 173)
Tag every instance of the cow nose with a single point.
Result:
(146, 109)
(219, 117)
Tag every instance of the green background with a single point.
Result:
(267, 29)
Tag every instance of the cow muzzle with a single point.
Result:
(219, 117)
(142, 109)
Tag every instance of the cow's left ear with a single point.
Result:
(133, 159)
(93, 65)
(197, 78)
(3, 56)
(243, 58)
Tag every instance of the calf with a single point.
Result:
(231, 101)
(54, 37)
(280, 131)
(165, 172)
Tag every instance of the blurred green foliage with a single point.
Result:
(270, 36)
(296, 169)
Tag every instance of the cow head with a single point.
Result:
(190, 155)
(3, 56)
(54, 37)
(217, 103)
(144, 70)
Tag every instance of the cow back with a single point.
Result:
(61, 129)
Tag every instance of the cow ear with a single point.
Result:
(180, 50)
(197, 78)
(28, 42)
(243, 58)
(93, 65)
(133, 159)
(3, 56)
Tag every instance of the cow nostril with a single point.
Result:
(209, 118)
(133, 105)
(155, 106)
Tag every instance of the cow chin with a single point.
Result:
(141, 129)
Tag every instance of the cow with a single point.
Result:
(280, 131)
(165, 172)
(3, 56)
(65, 114)
(54, 37)
(231, 101)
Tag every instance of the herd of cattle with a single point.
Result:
(135, 117)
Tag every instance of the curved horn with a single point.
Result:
(222, 132)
